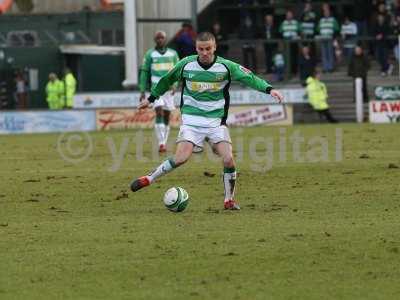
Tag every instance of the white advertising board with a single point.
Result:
(131, 99)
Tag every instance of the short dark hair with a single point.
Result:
(316, 71)
(205, 37)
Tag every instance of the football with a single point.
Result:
(176, 199)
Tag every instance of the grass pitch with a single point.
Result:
(319, 218)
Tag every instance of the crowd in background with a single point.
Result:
(59, 92)
(308, 34)
(335, 36)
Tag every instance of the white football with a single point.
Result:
(176, 199)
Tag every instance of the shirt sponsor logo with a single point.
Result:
(205, 86)
(219, 77)
(162, 66)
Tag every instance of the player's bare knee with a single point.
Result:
(180, 160)
(159, 112)
(228, 160)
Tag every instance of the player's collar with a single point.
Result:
(162, 51)
(204, 66)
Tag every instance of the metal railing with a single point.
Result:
(365, 41)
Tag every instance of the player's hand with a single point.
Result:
(143, 104)
(276, 95)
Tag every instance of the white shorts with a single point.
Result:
(165, 101)
(197, 135)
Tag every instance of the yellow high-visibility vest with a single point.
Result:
(54, 92)
(70, 88)
(317, 94)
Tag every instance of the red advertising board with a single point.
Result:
(384, 111)
(107, 119)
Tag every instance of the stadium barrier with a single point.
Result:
(260, 115)
(243, 115)
(359, 100)
(47, 121)
(105, 111)
(124, 118)
(248, 108)
(386, 106)
(131, 99)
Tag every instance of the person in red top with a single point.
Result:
(185, 40)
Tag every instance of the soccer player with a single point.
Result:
(156, 63)
(204, 106)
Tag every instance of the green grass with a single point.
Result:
(322, 230)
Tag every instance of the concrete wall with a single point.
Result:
(162, 9)
(147, 8)
(57, 6)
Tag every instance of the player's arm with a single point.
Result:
(175, 85)
(145, 71)
(247, 77)
(174, 75)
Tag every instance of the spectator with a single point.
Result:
(396, 52)
(396, 8)
(184, 40)
(318, 96)
(396, 31)
(222, 46)
(279, 64)
(21, 91)
(69, 88)
(248, 34)
(325, 7)
(307, 21)
(54, 92)
(362, 12)
(381, 32)
(396, 25)
(307, 64)
(381, 10)
(327, 28)
(358, 68)
(349, 35)
(289, 30)
(269, 32)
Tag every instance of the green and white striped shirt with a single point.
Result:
(279, 60)
(155, 65)
(205, 89)
(289, 29)
(327, 27)
(349, 34)
(307, 24)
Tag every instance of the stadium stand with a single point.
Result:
(363, 13)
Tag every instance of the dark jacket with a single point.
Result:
(363, 10)
(306, 67)
(358, 66)
(383, 29)
(247, 32)
(268, 33)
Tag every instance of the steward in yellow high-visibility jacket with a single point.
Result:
(318, 96)
(54, 92)
(70, 88)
